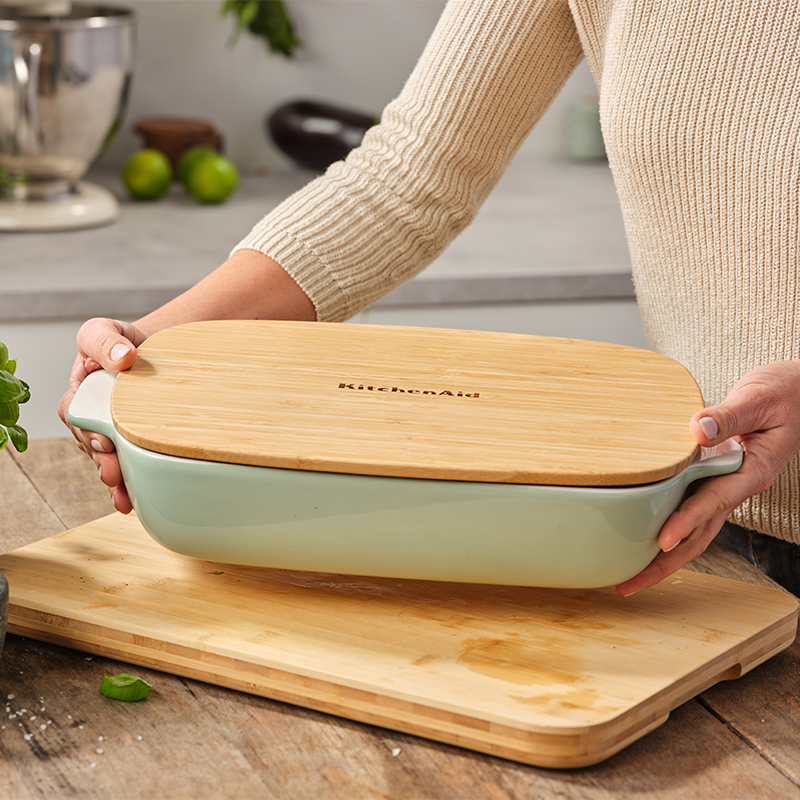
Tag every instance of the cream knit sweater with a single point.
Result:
(700, 106)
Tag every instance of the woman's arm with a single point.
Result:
(249, 285)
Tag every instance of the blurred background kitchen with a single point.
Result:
(546, 255)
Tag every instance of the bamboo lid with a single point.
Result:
(410, 402)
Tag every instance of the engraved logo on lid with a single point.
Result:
(363, 387)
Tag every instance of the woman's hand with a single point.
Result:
(249, 285)
(762, 413)
(102, 344)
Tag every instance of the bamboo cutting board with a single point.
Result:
(554, 678)
(412, 402)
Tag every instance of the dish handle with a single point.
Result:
(90, 408)
(727, 458)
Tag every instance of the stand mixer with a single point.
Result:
(65, 75)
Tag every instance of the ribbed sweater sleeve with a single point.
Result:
(378, 218)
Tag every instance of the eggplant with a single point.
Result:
(315, 135)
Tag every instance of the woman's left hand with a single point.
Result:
(762, 413)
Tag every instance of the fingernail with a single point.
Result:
(672, 547)
(100, 471)
(709, 427)
(96, 446)
(119, 350)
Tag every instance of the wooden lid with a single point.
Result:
(412, 402)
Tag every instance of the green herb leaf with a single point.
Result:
(19, 438)
(27, 396)
(9, 413)
(247, 13)
(13, 391)
(266, 19)
(125, 687)
(12, 388)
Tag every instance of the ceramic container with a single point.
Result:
(535, 535)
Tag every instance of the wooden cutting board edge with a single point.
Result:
(573, 748)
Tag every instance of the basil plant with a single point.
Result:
(13, 392)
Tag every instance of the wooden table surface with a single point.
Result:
(738, 740)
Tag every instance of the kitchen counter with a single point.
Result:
(550, 231)
(737, 740)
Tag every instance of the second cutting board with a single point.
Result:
(556, 678)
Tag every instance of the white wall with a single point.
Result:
(357, 53)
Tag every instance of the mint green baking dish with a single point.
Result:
(444, 530)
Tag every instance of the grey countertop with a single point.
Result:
(551, 230)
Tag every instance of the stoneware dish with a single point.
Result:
(449, 530)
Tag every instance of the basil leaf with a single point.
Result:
(265, 19)
(13, 391)
(9, 413)
(248, 11)
(19, 438)
(27, 396)
(11, 388)
(125, 687)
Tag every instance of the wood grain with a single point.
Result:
(203, 742)
(553, 678)
(414, 402)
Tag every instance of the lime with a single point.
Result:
(212, 179)
(147, 174)
(190, 157)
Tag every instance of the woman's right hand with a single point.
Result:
(111, 345)
(249, 285)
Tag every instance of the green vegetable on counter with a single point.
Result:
(13, 391)
(125, 687)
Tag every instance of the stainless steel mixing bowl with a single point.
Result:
(64, 85)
